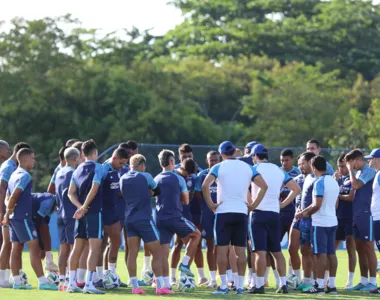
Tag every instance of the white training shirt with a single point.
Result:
(326, 187)
(274, 177)
(375, 203)
(234, 177)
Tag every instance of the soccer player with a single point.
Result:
(374, 162)
(65, 210)
(71, 142)
(137, 188)
(133, 148)
(6, 170)
(315, 147)
(85, 192)
(5, 151)
(207, 216)
(247, 158)
(113, 204)
(170, 220)
(264, 221)
(362, 224)
(231, 220)
(301, 229)
(19, 216)
(324, 225)
(344, 215)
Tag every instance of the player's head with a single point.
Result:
(259, 153)
(185, 151)
(79, 145)
(374, 159)
(287, 159)
(26, 159)
(318, 164)
(71, 142)
(61, 154)
(124, 146)
(20, 146)
(133, 148)
(356, 159)
(238, 153)
(248, 148)
(341, 164)
(304, 162)
(90, 151)
(119, 158)
(227, 150)
(167, 159)
(138, 162)
(72, 156)
(313, 146)
(5, 151)
(188, 167)
(212, 158)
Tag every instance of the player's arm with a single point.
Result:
(263, 187)
(51, 188)
(73, 195)
(313, 208)
(198, 188)
(100, 172)
(365, 176)
(294, 191)
(349, 197)
(209, 180)
(153, 186)
(249, 197)
(184, 196)
(3, 192)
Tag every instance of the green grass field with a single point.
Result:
(34, 294)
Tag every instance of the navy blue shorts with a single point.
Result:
(207, 225)
(376, 233)
(286, 222)
(323, 241)
(145, 229)
(296, 224)
(305, 231)
(110, 217)
(38, 220)
(22, 230)
(344, 229)
(180, 226)
(362, 228)
(231, 228)
(89, 227)
(186, 213)
(66, 231)
(265, 231)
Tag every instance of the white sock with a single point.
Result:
(213, 275)
(72, 275)
(327, 275)
(331, 283)
(372, 280)
(173, 273)
(201, 273)
(90, 278)
(42, 280)
(321, 283)
(99, 271)
(351, 276)
(298, 274)
(134, 282)
(62, 277)
(223, 281)
(7, 275)
(290, 270)
(160, 282)
(236, 278)
(240, 284)
(249, 275)
(17, 279)
(266, 274)
(49, 256)
(81, 273)
(307, 280)
(146, 263)
(277, 277)
(112, 267)
(282, 281)
(2, 275)
(167, 282)
(312, 275)
(259, 282)
(253, 279)
(229, 276)
(186, 260)
(363, 280)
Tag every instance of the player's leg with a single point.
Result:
(134, 247)
(232, 260)
(293, 248)
(175, 258)
(198, 259)
(5, 254)
(82, 267)
(46, 240)
(115, 241)
(15, 264)
(147, 259)
(332, 260)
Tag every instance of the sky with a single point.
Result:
(109, 15)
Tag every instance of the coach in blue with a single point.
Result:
(170, 221)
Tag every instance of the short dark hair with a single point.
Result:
(319, 162)
(287, 152)
(165, 156)
(121, 153)
(23, 152)
(307, 155)
(19, 146)
(88, 147)
(124, 146)
(185, 148)
(312, 141)
(189, 165)
(212, 152)
(61, 153)
(78, 145)
(341, 157)
(71, 142)
(132, 145)
(354, 154)
(262, 156)
(230, 152)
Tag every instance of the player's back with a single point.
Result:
(65, 207)
(326, 187)
(344, 210)
(300, 179)
(307, 191)
(20, 178)
(43, 204)
(363, 196)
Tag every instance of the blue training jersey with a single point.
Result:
(344, 210)
(213, 192)
(43, 204)
(168, 203)
(363, 196)
(300, 179)
(65, 208)
(307, 191)
(59, 167)
(288, 211)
